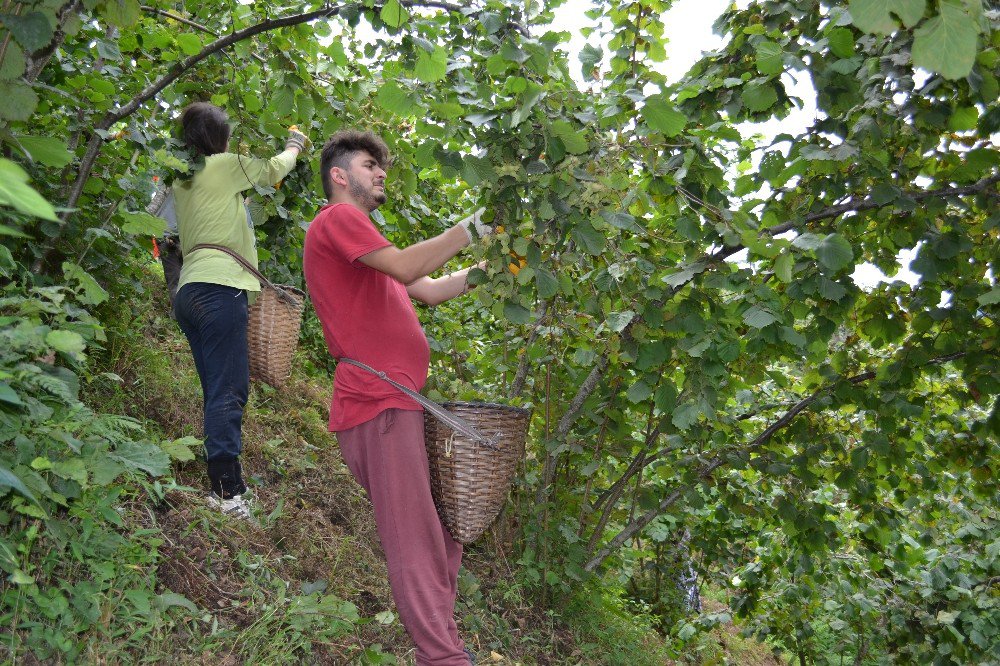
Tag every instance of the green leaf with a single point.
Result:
(769, 58)
(808, 241)
(11, 231)
(834, 252)
(393, 98)
(590, 57)
(841, 42)
(783, 267)
(946, 44)
(662, 116)
(877, 15)
(181, 449)
(432, 67)
(758, 317)
(189, 43)
(104, 469)
(19, 577)
(759, 96)
(48, 150)
(11, 480)
(686, 415)
(142, 456)
(532, 95)
(16, 193)
(589, 239)
(122, 13)
(573, 139)
(639, 392)
(831, 290)
(516, 312)
(546, 283)
(9, 395)
(992, 297)
(963, 119)
(31, 30)
(93, 293)
(685, 274)
(617, 321)
(491, 22)
(447, 110)
(393, 14)
(142, 224)
(12, 64)
(171, 599)
(68, 342)
(18, 101)
(283, 101)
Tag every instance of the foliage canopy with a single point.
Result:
(685, 324)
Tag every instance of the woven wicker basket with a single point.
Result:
(470, 482)
(273, 332)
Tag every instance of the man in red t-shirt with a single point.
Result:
(361, 286)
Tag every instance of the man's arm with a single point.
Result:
(433, 291)
(419, 260)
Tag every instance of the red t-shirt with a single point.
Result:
(366, 315)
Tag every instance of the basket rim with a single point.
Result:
(490, 405)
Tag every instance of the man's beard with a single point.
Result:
(365, 196)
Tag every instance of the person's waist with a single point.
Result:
(349, 376)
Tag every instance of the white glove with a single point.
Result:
(476, 220)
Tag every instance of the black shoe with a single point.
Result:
(226, 477)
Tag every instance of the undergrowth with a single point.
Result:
(125, 563)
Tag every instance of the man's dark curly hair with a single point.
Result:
(343, 146)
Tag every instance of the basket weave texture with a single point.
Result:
(470, 482)
(273, 332)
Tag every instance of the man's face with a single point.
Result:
(366, 181)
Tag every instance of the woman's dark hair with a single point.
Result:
(205, 128)
(341, 148)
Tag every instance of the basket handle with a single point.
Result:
(453, 421)
(248, 267)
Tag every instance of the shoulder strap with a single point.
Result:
(453, 421)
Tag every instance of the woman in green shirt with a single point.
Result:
(214, 291)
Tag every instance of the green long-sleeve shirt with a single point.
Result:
(210, 210)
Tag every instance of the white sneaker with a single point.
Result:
(236, 506)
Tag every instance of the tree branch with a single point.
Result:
(860, 204)
(521, 376)
(179, 19)
(719, 460)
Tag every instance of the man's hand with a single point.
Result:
(296, 139)
(475, 221)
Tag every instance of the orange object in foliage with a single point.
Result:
(519, 261)
(156, 249)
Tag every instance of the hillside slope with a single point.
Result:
(306, 581)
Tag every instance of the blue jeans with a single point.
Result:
(214, 319)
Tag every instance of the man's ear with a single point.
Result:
(338, 176)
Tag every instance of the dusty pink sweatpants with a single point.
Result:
(387, 457)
